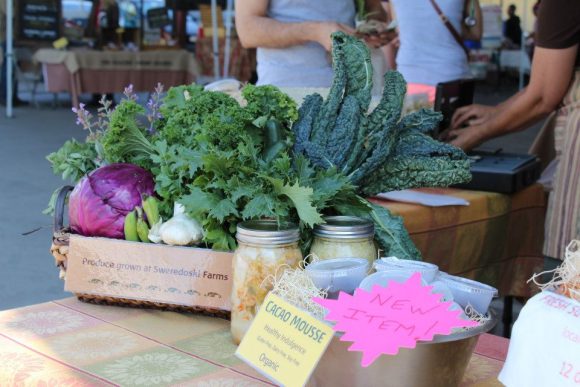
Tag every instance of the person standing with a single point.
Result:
(292, 37)
(512, 27)
(430, 53)
(108, 19)
(554, 86)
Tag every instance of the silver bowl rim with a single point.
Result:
(461, 335)
(467, 333)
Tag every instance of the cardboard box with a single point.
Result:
(174, 275)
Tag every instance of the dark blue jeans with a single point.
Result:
(3, 76)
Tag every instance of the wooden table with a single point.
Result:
(497, 239)
(71, 343)
(100, 72)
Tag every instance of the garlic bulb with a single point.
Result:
(181, 230)
(155, 232)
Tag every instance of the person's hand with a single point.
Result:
(395, 43)
(381, 39)
(376, 33)
(471, 115)
(323, 30)
(465, 138)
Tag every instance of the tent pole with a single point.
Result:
(141, 25)
(227, 53)
(9, 57)
(214, 22)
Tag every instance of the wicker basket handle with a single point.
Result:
(59, 207)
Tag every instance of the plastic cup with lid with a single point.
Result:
(439, 287)
(338, 274)
(466, 291)
(383, 278)
(428, 270)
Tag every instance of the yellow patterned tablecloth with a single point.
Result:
(497, 239)
(70, 343)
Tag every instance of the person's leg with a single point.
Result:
(3, 75)
(3, 81)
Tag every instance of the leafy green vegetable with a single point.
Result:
(226, 162)
(378, 151)
(268, 102)
(362, 145)
(125, 140)
(302, 199)
(74, 160)
(390, 233)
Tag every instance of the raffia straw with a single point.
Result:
(296, 287)
(566, 278)
(474, 315)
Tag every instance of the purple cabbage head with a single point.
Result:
(101, 200)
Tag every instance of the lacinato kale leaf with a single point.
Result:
(377, 151)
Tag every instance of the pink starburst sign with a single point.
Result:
(388, 318)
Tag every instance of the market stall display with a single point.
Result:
(121, 139)
(220, 197)
(270, 182)
(87, 71)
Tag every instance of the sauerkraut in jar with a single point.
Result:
(344, 237)
(263, 246)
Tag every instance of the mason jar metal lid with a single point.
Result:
(345, 227)
(267, 232)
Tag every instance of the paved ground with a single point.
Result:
(27, 272)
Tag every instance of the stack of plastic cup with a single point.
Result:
(383, 278)
(466, 291)
(338, 274)
(428, 270)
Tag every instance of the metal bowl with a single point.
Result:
(441, 362)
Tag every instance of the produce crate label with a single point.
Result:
(144, 271)
(284, 343)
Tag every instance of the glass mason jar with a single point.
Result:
(345, 237)
(263, 246)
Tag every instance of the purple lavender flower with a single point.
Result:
(130, 93)
(153, 105)
(84, 117)
(104, 113)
